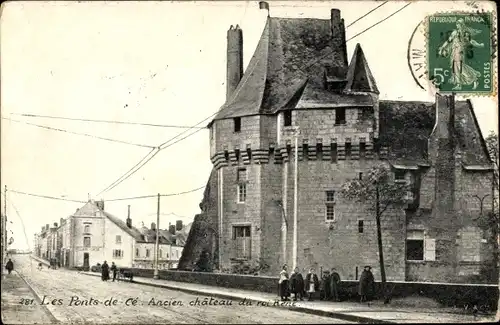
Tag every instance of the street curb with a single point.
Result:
(37, 297)
(337, 315)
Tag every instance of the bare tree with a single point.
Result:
(379, 191)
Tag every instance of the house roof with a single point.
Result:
(134, 232)
(292, 56)
(405, 127)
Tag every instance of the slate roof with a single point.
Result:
(290, 58)
(359, 76)
(405, 128)
(134, 232)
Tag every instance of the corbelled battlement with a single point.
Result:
(331, 151)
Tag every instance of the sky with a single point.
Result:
(150, 62)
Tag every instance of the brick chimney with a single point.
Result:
(234, 59)
(444, 221)
(171, 229)
(178, 225)
(129, 221)
(55, 224)
(153, 226)
(100, 204)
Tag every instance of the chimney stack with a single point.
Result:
(55, 224)
(129, 221)
(178, 225)
(153, 226)
(338, 37)
(171, 229)
(234, 59)
(100, 204)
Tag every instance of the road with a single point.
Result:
(76, 298)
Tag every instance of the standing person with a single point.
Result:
(312, 283)
(114, 269)
(9, 266)
(335, 284)
(366, 283)
(283, 284)
(105, 271)
(297, 284)
(325, 286)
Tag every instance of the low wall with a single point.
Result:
(448, 294)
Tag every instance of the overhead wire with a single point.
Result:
(369, 12)
(46, 196)
(160, 147)
(77, 133)
(102, 121)
(156, 195)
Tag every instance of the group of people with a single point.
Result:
(300, 287)
(105, 268)
(328, 287)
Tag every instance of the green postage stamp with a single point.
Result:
(460, 52)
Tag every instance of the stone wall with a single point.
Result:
(447, 294)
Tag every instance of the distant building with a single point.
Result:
(91, 235)
(300, 77)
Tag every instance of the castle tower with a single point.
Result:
(234, 59)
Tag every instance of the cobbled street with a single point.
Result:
(77, 298)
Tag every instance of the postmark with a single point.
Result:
(460, 52)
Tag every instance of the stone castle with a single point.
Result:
(299, 84)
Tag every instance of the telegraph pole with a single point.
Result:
(157, 243)
(295, 198)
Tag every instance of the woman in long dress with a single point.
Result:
(455, 48)
(283, 284)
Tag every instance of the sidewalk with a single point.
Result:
(349, 311)
(20, 305)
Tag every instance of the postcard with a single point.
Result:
(249, 162)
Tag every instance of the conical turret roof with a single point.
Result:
(359, 76)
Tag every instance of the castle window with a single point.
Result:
(242, 185)
(226, 154)
(249, 153)
(288, 118)
(340, 116)
(118, 239)
(330, 206)
(86, 229)
(399, 175)
(237, 124)
(360, 176)
(137, 252)
(361, 224)
(305, 150)
(241, 242)
(237, 154)
(147, 252)
(415, 245)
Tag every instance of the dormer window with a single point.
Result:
(288, 118)
(237, 124)
(340, 116)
